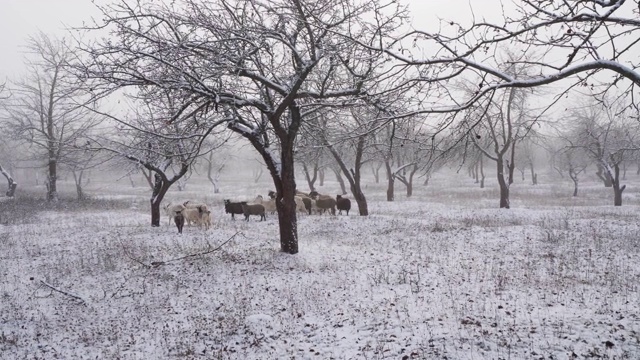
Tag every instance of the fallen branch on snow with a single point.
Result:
(62, 291)
(158, 263)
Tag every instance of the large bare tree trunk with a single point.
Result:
(52, 180)
(12, 184)
(574, 177)
(390, 181)
(617, 189)
(504, 184)
(77, 178)
(482, 175)
(534, 176)
(160, 188)
(604, 176)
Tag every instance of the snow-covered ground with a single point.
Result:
(443, 275)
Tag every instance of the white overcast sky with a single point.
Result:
(22, 18)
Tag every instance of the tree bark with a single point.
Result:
(52, 189)
(617, 189)
(604, 176)
(482, 175)
(390, 181)
(504, 185)
(12, 185)
(574, 177)
(77, 177)
(160, 188)
(320, 177)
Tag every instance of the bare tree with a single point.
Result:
(269, 65)
(591, 43)
(12, 184)
(48, 107)
(166, 148)
(609, 133)
(348, 136)
(568, 158)
(215, 165)
(494, 130)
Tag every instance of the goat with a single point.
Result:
(343, 203)
(232, 208)
(253, 209)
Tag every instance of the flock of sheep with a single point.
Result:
(200, 215)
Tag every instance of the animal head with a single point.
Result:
(227, 201)
(314, 194)
(338, 197)
(272, 194)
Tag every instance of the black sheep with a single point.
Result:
(232, 208)
(179, 220)
(343, 204)
(253, 209)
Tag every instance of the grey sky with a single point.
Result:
(21, 18)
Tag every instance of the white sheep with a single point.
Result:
(206, 219)
(300, 204)
(269, 205)
(192, 216)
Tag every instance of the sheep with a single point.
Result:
(179, 220)
(343, 204)
(269, 205)
(206, 219)
(172, 209)
(195, 205)
(253, 209)
(232, 208)
(192, 215)
(325, 203)
(300, 205)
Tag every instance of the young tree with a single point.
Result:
(268, 65)
(49, 108)
(567, 158)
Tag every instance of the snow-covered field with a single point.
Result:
(444, 275)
